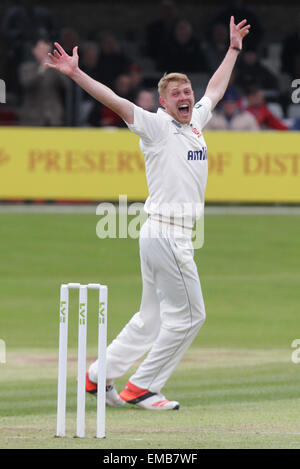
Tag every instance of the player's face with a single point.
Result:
(179, 101)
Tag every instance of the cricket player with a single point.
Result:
(172, 308)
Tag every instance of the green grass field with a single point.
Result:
(237, 385)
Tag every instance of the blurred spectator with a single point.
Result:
(113, 61)
(139, 80)
(146, 100)
(9, 112)
(257, 106)
(69, 38)
(7, 116)
(161, 31)
(290, 55)
(41, 88)
(216, 46)
(240, 11)
(89, 58)
(250, 70)
(182, 52)
(89, 63)
(105, 117)
(123, 86)
(24, 22)
(136, 77)
(230, 117)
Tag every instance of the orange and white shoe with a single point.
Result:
(112, 397)
(90, 386)
(147, 399)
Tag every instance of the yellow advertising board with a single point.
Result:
(71, 164)
(94, 165)
(253, 167)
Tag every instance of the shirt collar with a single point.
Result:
(163, 113)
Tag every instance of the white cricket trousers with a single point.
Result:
(171, 311)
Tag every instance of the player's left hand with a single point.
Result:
(238, 32)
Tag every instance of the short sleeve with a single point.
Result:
(146, 124)
(202, 111)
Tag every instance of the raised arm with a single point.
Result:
(219, 81)
(68, 65)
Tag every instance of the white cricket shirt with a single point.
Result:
(175, 161)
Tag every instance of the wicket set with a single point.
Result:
(81, 362)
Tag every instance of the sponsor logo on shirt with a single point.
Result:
(197, 106)
(197, 154)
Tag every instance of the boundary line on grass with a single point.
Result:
(91, 209)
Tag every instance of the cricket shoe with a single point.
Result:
(146, 399)
(112, 397)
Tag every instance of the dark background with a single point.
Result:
(128, 21)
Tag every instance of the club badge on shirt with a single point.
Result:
(196, 132)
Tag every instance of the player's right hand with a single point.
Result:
(61, 61)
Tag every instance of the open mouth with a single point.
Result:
(184, 110)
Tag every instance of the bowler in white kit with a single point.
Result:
(172, 308)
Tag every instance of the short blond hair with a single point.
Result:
(167, 78)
